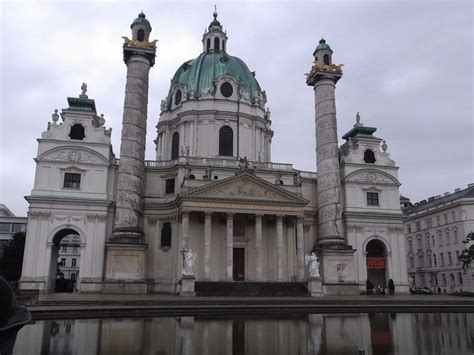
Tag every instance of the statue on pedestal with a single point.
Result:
(313, 265)
(189, 259)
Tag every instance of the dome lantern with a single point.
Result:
(323, 53)
(141, 28)
(214, 39)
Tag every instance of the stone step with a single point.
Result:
(244, 288)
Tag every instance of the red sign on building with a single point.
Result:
(376, 263)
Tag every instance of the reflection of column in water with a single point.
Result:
(86, 336)
(316, 322)
(186, 331)
(205, 336)
(228, 336)
(302, 336)
(282, 336)
(29, 339)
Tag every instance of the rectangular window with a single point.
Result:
(428, 223)
(64, 248)
(434, 259)
(441, 256)
(410, 245)
(63, 262)
(409, 228)
(5, 227)
(372, 198)
(453, 216)
(433, 240)
(457, 257)
(438, 220)
(72, 181)
(169, 188)
(445, 218)
(450, 258)
(455, 232)
(412, 262)
(429, 261)
(460, 278)
(420, 261)
(73, 262)
(443, 276)
(18, 227)
(73, 276)
(418, 226)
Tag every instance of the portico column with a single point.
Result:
(279, 247)
(207, 245)
(230, 245)
(258, 248)
(185, 228)
(300, 247)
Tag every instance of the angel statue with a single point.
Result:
(313, 262)
(189, 261)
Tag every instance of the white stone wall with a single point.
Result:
(198, 123)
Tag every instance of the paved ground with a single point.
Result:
(54, 306)
(162, 298)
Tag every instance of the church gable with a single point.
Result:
(73, 154)
(371, 176)
(244, 187)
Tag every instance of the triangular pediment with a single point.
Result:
(242, 188)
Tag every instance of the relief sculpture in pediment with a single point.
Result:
(244, 189)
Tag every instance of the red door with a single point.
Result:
(239, 264)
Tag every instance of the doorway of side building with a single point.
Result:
(377, 263)
(239, 264)
(65, 260)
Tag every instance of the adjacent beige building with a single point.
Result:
(435, 231)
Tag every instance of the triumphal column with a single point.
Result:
(335, 256)
(126, 250)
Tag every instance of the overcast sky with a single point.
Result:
(408, 70)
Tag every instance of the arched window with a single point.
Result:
(77, 132)
(140, 35)
(177, 97)
(223, 46)
(226, 141)
(208, 45)
(326, 59)
(375, 248)
(166, 235)
(175, 146)
(369, 156)
(216, 44)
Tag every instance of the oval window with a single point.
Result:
(177, 98)
(227, 90)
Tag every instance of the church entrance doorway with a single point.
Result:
(376, 263)
(239, 264)
(65, 259)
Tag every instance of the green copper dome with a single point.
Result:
(323, 45)
(198, 75)
(141, 20)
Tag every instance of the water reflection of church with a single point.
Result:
(213, 187)
(318, 334)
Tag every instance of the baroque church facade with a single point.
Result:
(213, 188)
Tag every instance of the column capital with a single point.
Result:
(208, 214)
(300, 218)
(185, 213)
(230, 215)
(260, 215)
(280, 217)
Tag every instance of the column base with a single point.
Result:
(125, 268)
(338, 270)
(187, 286)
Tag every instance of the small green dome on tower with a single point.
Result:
(323, 45)
(141, 20)
(215, 22)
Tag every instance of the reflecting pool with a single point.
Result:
(377, 333)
